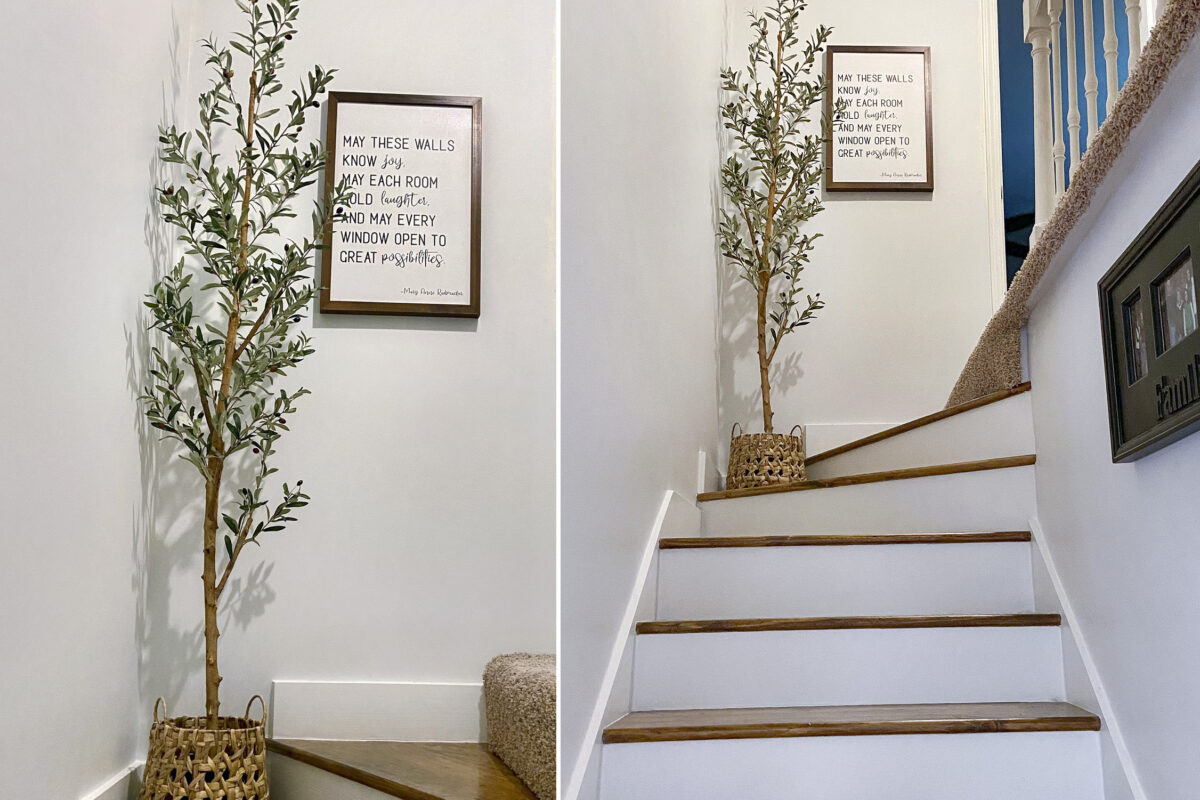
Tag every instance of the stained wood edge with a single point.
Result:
(920, 422)
(347, 771)
(875, 477)
(1040, 724)
(840, 540)
(847, 623)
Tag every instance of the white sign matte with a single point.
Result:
(409, 244)
(882, 139)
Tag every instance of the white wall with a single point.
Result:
(428, 446)
(1123, 536)
(906, 276)
(85, 86)
(638, 385)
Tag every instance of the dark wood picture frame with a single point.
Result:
(469, 309)
(1169, 239)
(833, 185)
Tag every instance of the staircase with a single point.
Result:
(868, 634)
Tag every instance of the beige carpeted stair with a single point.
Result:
(519, 697)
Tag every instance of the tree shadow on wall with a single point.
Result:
(167, 522)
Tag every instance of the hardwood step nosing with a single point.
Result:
(760, 625)
(934, 470)
(842, 540)
(348, 772)
(919, 422)
(617, 735)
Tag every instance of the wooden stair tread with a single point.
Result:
(760, 723)
(840, 540)
(928, 419)
(876, 477)
(848, 623)
(411, 770)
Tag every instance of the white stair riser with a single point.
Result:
(295, 780)
(982, 766)
(847, 667)
(988, 500)
(1004, 428)
(865, 580)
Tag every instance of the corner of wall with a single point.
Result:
(677, 517)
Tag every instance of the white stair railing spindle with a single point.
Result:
(1072, 86)
(1133, 14)
(1037, 35)
(1110, 56)
(1060, 148)
(1091, 84)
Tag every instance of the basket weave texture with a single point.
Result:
(187, 761)
(765, 459)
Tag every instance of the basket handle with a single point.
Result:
(733, 431)
(262, 720)
(157, 703)
(792, 432)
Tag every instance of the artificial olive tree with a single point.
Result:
(228, 311)
(770, 178)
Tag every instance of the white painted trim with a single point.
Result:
(117, 787)
(993, 157)
(1089, 664)
(398, 711)
(620, 664)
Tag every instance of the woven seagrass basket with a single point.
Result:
(187, 761)
(764, 459)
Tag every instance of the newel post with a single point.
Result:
(1037, 36)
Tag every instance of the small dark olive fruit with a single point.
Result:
(256, 451)
(299, 483)
(170, 190)
(341, 210)
(296, 318)
(287, 36)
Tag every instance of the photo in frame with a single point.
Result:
(883, 139)
(1149, 326)
(411, 242)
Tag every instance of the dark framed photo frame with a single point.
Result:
(1150, 327)
(884, 141)
(411, 245)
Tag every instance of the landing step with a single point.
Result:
(853, 623)
(876, 477)
(920, 422)
(841, 539)
(773, 723)
(409, 770)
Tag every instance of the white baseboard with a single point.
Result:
(709, 477)
(677, 516)
(1111, 730)
(371, 710)
(122, 786)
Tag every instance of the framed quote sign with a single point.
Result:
(883, 139)
(1149, 319)
(410, 242)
